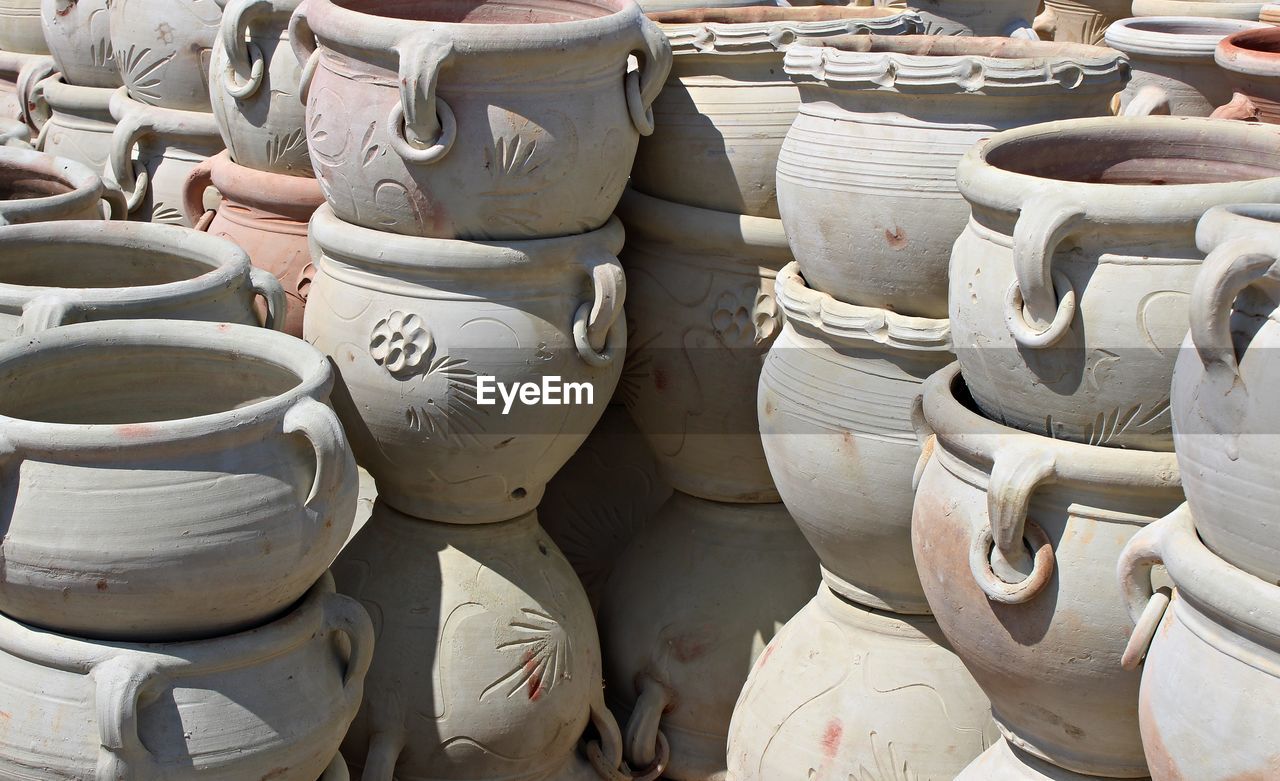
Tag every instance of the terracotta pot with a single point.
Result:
(1016, 539)
(254, 88)
(720, 120)
(20, 27)
(1251, 60)
(78, 33)
(153, 151)
(1172, 64)
(266, 214)
(486, 663)
(1069, 285)
(835, 404)
(120, 491)
(477, 120)
(79, 124)
(701, 317)
(1270, 13)
(603, 497)
(36, 187)
(1005, 18)
(1004, 762)
(1221, 9)
(691, 604)
(1078, 21)
(162, 50)
(1221, 634)
(847, 692)
(882, 124)
(414, 324)
(1224, 420)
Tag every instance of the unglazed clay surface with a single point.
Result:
(38, 187)
(162, 50)
(79, 125)
(1251, 63)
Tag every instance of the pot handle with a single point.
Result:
(1145, 102)
(998, 558)
(421, 125)
(30, 95)
(1146, 604)
(49, 310)
(337, 770)
(318, 423)
(1239, 107)
(384, 753)
(1045, 24)
(646, 80)
(1034, 314)
(644, 745)
(120, 683)
(199, 180)
(266, 285)
(608, 761)
(924, 436)
(1230, 268)
(342, 614)
(243, 75)
(130, 176)
(596, 331)
(303, 42)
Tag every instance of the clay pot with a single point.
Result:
(691, 604)
(1078, 21)
(1221, 9)
(720, 120)
(153, 151)
(20, 29)
(19, 74)
(1005, 762)
(603, 497)
(486, 663)
(36, 187)
(835, 401)
(282, 695)
(1005, 18)
(477, 120)
(1221, 633)
(1171, 57)
(882, 124)
(1251, 61)
(1224, 419)
(119, 497)
(701, 317)
(658, 6)
(1069, 286)
(78, 33)
(1016, 539)
(79, 124)
(254, 88)
(264, 213)
(15, 134)
(162, 50)
(848, 692)
(414, 324)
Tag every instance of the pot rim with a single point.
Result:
(165, 121)
(772, 29)
(86, 186)
(856, 325)
(964, 431)
(1238, 53)
(984, 184)
(70, 97)
(1233, 220)
(13, 62)
(1220, 9)
(314, 380)
(746, 239)
(294, 197)
(1127, 36)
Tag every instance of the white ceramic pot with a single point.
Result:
(162, 50)
(882, 124)
(1016, 539)
(1221, 9)
(254, 87)
(79, 125)
(414, 325)
(720, 120)
(701, 317)
(78, 33)
(1002, 18)
(835, 403)
(20, 29)
(691, 604)
(1226, 430)
(273, 700)
(484, 120)
(37, 187)
(153, 150)
(1171, 58)
(848, 692)
(1220, 634)
(1078, 21)
(1069, 286)
(128, 484)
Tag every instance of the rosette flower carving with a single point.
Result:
(746, 317)
(400, 343)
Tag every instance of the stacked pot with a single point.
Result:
(24, 58)
(1250, 61)
(867, 193)
(471, 156)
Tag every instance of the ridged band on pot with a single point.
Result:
(836, 397)
(423, 331)
(125, 483)
(266, 214)
(168, 144)
(1004, 18)
(883, 122)
(1251, 61)
(38, 187)
(162, 50)
(254, 87)
(1270, 13)
(1016, 539)
(1221, 9)
(78, 33)
(1078, 21)
(721, 118)
(20, 29)
(701, 316)
(1221, 633)
(1171, 58)
(1226, 431)
(1069, 286)
(480, 121)
(281, 695)
(76, 121)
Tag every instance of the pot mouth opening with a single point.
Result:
(1183, 25)
(487, 12)
(50, 263)
(1261, 41)
(765, 14)
(21, 183)
(957, 46)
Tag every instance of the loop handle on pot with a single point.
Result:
(120, 684)
(198, 180)
(999, 560)
(1040, 319)
(645, 81)
(641, 737)
(31, 102)
(924, 435)
(1147, 101)
(303, 42)
(337, 770)
(384, 752)
(266, 285)
(1145, 603)
(1239, 107)
(48, 310)
(1045, 24)
(608, 762)
(117, 204)
(342, 614)
(318, 423)
(1230, 268)
(131, 177)
(422, 125)
(595, 324)
(245, 63)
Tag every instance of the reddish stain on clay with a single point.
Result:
(67, 10)
(224, 327)
(534, 675)
(133, 430)
(896, 238)
(102, 584)
(831, 738)
(686, 649)
(764, 657)
(659, 379)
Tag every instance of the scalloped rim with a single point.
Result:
(777, 36)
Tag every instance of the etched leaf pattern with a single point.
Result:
(1107, 427)
(456, 415)
(143, 72)
(545, 656)
(287, 148)
(168, 215)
